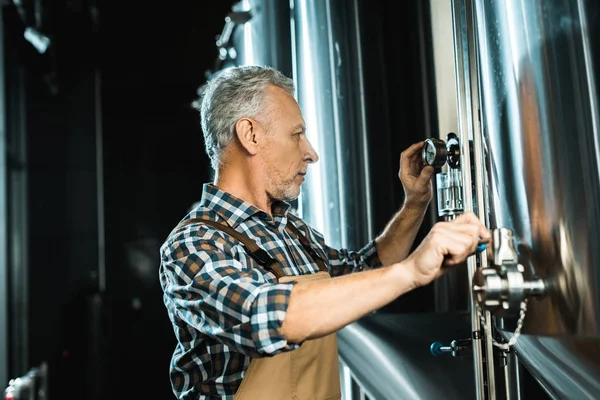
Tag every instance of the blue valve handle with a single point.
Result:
(481, 247)
(438, 349)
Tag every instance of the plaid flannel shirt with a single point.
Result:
(225, 309)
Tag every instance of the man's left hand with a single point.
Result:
(415, 177)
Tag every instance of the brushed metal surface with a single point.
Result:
(389, 355)
(328, 72)
(266, 38)
(567, 368)
(539, 120)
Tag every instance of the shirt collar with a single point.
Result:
(235, 210)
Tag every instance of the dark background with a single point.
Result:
(131, 70)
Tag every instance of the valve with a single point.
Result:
(437, 153)
(457, 348)
(449, 193)
(501, 289)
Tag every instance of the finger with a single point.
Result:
(468, 217)
(462, 248)
(471, 228)
(425, 176)
(454, 242)
(407, 155)
(415, 148)
(458, 249)
(465, 233)
(484, 234)
(404, 164)
(471, 218)
(447, 232)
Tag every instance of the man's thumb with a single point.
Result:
(426, 174)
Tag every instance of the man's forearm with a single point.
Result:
(319, 308)
(395, 242)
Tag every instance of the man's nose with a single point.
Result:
(310, 154)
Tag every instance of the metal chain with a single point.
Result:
(517, 333)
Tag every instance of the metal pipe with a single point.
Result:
(589, 68)
(363, 121)
(3, 225)
(465, 118)
(101, 275)
(512, 379)
(324, 62)
(18, 254)
(478, 168)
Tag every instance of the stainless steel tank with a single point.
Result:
(541, 175)
(328, 73)
(256, 32)
(542, 152)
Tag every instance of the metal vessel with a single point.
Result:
(255, 32)
(540, 177)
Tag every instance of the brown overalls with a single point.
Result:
(310, 372)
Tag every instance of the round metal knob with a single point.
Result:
(453, 150)
(438, 349)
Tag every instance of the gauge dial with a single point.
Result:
(434, 153)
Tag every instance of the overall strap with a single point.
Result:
(307, 246)
(261, 256)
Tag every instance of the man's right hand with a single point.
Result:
(447, 244)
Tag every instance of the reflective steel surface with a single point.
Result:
(468, 129)
(266, 38)
(335, 198)
(566, 368)
(328, 73)
(539, 122)
(390, 356)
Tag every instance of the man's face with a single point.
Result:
(286, 152)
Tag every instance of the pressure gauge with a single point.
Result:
(434, 153)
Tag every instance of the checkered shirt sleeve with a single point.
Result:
(209, 285)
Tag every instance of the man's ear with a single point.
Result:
(246, 130)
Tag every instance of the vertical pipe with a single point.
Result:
(3, 223)
(423, 60)
(335, 198)
(450, 289)
(512, 378)
(465, 129)
(334, 63)
(363, 121)
(100, 182)
(589, 67)
(16, 186)
(478, 158)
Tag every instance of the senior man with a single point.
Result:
(255, 295)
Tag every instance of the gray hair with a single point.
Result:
(235, 93)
